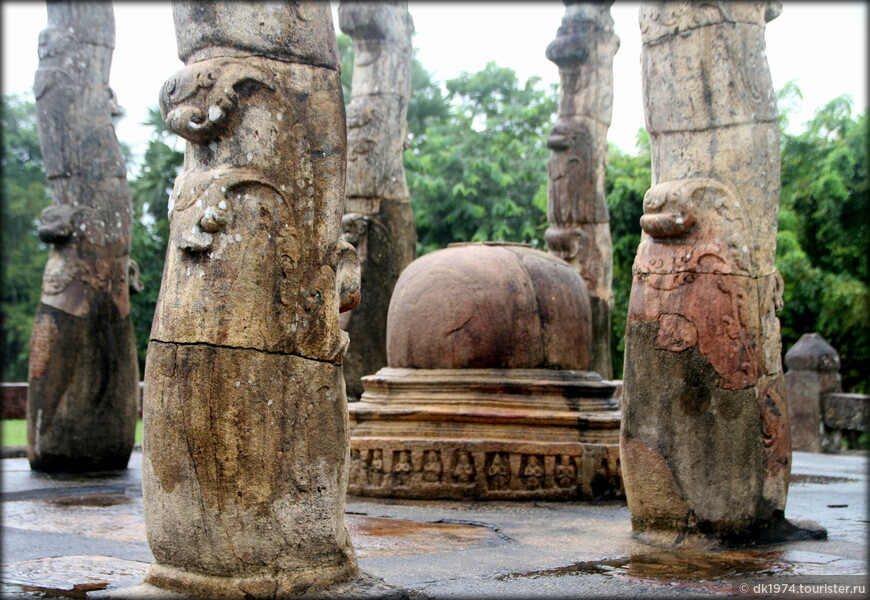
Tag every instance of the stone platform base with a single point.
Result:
(778, 531)
(363, 587)
(494, 434)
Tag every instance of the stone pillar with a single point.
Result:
(246, 440)
(813, 371)
(84, 371)
(379, 220)
(576, 206)
(705, 435)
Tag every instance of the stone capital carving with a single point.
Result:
(696, 226)
(666, 19)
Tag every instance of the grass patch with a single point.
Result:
(14, 432)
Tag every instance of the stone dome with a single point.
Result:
(489, 305)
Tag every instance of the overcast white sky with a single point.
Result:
(822, 45)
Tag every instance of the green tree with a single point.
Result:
(480, 172)
(626, 181)
(25, 194)
(150, 194)
(345, 56)
(824, 234)
(428, 104)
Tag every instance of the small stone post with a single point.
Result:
(379, 220)
(813, 371)
(246, 429)
(84, 372)
(705, 434)
(576, 206)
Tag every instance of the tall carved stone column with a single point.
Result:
(84, 373)
(379, 220)
(246, 440)
(705, 434)
(576, 206)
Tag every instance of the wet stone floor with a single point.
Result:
(81, 537)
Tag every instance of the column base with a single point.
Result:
(778, 531)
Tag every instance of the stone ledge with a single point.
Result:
(846, 411)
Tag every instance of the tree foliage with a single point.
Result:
(476, 168)
(626, 181)
(345, 55)
(25, 194)
(823, 242)
(150, 195)
(479, 173)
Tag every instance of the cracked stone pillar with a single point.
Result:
(379, 220)
(705, 433)
(246, 435)
(83, 392)
(576, 206)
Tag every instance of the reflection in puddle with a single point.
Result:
(68, 576)
(708, 572)
(382, 536)
(89, 500)
(823, 479)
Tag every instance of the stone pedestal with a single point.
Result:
(487, 395)
(813, 371)
(490, 434)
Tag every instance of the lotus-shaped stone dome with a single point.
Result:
(489, 305)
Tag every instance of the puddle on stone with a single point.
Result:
(822, 479)
(109, 516)
(383, 536)
(89, 500)
(118, 517)
(707, 572)
(68, 576)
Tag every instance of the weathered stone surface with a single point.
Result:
(709, 100)
(846, 411)
(705, 432)
(385, 240)
(671, 19)
(576, 206)
(379, 220)
(245, 437)
(812, 353)
(83, 363)
(486, 396)
(221, 29)
(243, 489)
(249, 226)
(489, 305)
(13, 400)
(813, 371)
(524, 434)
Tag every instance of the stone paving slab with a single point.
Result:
(83, 537)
